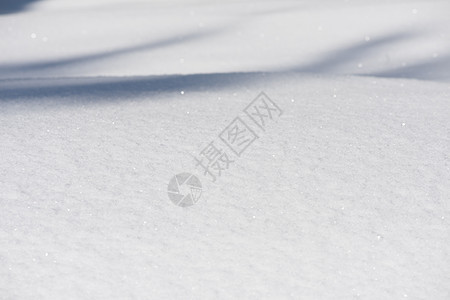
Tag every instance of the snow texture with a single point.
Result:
(345, 195)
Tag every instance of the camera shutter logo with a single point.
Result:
(184, 189)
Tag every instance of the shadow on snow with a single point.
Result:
(14, 6)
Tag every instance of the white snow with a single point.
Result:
(346, 195)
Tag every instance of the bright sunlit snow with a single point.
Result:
(343, 195)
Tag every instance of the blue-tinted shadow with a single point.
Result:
(14, 6)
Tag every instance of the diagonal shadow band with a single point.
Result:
(116, 88)
(14, 6)
(336, 58)
(434, 69)
(97, 89)
(6, 70)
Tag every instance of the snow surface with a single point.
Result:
(345, 196)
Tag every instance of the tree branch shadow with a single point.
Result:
(14, 6)
(95, 89)
(352, 53)
(437, 69)
(432, 69)
(7, 70)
